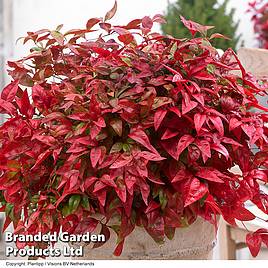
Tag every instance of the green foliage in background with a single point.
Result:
(206, 12)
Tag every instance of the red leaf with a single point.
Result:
(25, 106)
(217, 122)
(106, 232)
(221, 149)
(175, 110)
(134, 24)
(7, 107)
(140, 136)
(171, 148)
(204, 147)
(199, 120)
(42, 157)
(200, 98)
(48, 140)
(169, 133)
(10, 91)
(40, 98)
(209, 175)
(119, 248)
(92, 22)
(151, 207)
(181, 175)
(158, 117)
(183, 143)
(188, 106)
(86, 225)
(126, 38)
(109, 15)
(242, 214)
(194, 190)
(253, 241)
(145, 190)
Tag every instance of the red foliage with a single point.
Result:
(144, 131)
(259, 11)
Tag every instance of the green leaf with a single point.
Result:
(116, 148)
(162, 199)
(85, 202)
(9, 211)
(169, 232)
(59, 37)
(126, 147)
(74, 202)
(66, 211)
(127, 61)
(211, 68)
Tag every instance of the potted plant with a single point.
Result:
(131, 132)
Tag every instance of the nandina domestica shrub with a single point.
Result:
(131, 125)
(259, 10)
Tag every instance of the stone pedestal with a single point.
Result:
(192, 243)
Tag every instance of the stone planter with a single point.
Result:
(192, 243)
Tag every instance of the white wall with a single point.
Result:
(31, 15)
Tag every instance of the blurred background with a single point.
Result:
(231, 18)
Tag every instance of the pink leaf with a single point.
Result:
(151, 156)
(194, 27)
(95, 155)
(122, 161)
(158, 117)
(147, 22)
(234, 123)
